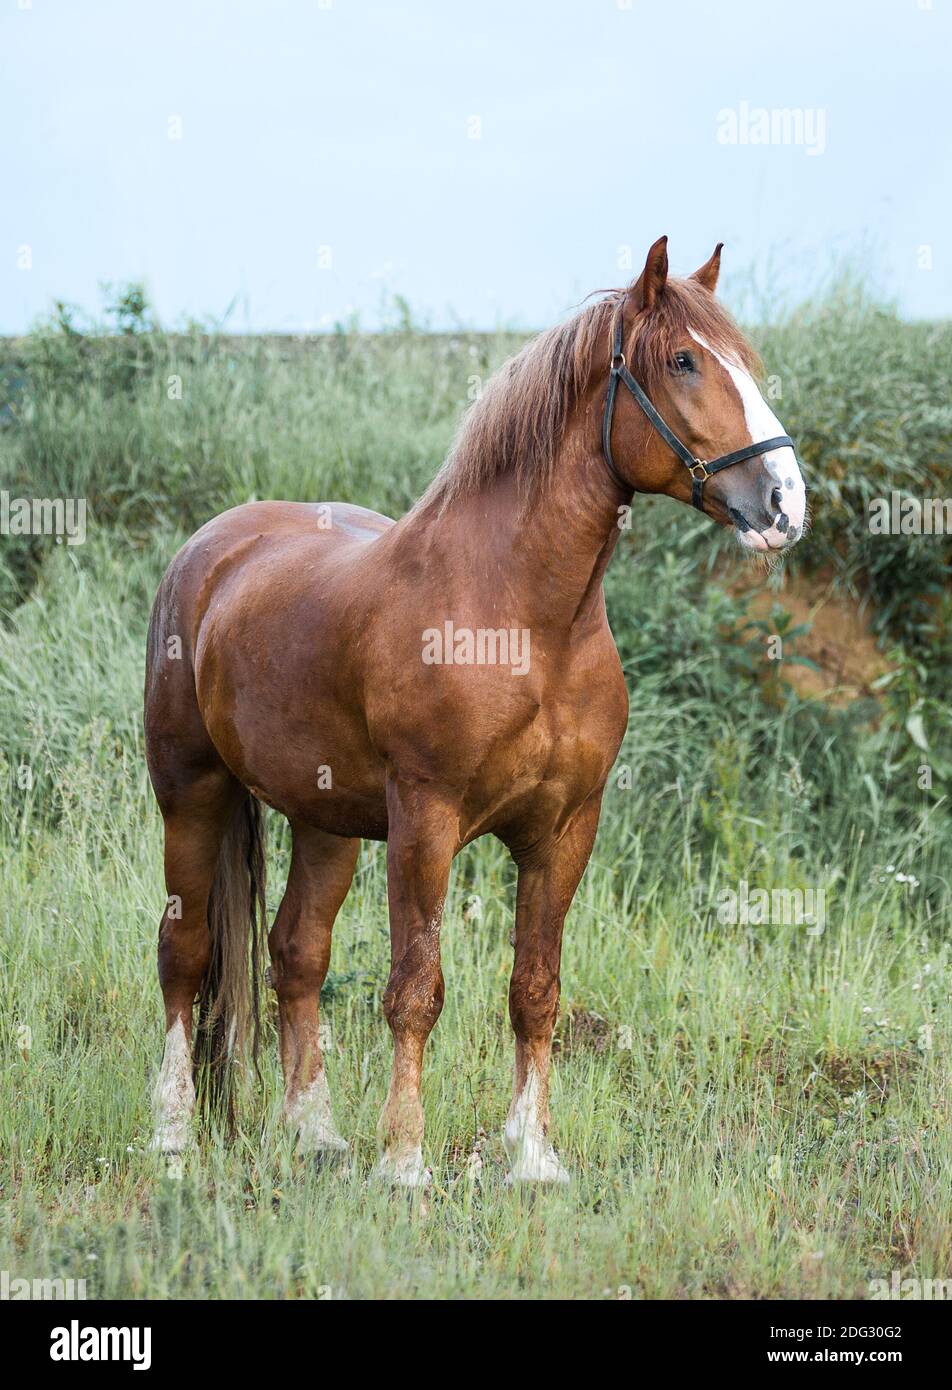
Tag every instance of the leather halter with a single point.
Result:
(699, 469)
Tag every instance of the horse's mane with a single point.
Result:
(517, 425)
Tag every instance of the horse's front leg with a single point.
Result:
(547, 886)
(422, 840)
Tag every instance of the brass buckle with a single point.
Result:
(701, 477)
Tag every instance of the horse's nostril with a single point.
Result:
(776, 499)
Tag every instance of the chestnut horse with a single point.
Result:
(425, 682)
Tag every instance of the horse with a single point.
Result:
(425, 682)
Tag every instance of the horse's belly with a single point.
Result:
(314, 765)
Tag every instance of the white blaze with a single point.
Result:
(762, 423)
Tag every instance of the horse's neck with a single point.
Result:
(548, 556)
(566, 539)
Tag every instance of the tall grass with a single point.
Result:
(748, 1110)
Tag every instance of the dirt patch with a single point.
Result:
(840, 641)
(837, 1077)
(581, 1030)
(834, 1077)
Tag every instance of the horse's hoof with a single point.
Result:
(173, 1161)
(170, 1143)
(308, 1113)
(171, 1140)
(542, 1166)
(330, 1156)
(403, 1170)
(518, 1179)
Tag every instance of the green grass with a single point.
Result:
(749, 1111)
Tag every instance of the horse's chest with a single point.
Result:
(553, 764)
(571, 743)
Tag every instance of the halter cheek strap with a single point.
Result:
(699, 469)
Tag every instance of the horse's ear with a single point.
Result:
(710, 270)
(653, 278)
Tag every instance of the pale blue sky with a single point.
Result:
(346, 124)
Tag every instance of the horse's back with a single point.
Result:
(244, 538)
(324, 523)
(261, 532)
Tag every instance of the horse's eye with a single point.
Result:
(682, 362)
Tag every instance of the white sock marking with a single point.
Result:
(310, 1113)
(174, 1096)
(532, 1157)
(403, 1170)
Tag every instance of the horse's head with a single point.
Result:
(696, 370)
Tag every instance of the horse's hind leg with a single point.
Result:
(546, 889)
(322, 867)
(197, 814)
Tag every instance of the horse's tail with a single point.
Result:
(229, 1004)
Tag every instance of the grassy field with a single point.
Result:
(748, 1110)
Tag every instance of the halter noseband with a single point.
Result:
(699, 470)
